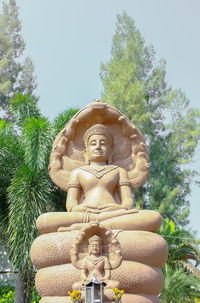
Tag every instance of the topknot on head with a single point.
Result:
(98, 129)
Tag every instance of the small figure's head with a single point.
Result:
(95, 246)
(98, 141)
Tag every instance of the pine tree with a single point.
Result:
(135, 83)
(15, 76)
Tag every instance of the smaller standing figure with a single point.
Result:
(95, 263)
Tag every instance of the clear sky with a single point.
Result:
(68, 40)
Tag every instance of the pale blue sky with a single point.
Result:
(68, 40)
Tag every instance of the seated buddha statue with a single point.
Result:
(98, 158)
(99, 191)
(95, 263)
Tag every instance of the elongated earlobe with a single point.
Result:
(87, 161)
(110, 156)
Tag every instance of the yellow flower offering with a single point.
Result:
(117, 294)
(75, 296)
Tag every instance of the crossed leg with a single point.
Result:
(147, 220)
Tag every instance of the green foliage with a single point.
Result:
(6, 292)
(35, 296)
(15, 76)
(182, 277)
(29, 195)
(10, 153)
(131, 81)
(26, 189)
(182, 247)
(11, 156)
(30, 189)
(179, 286)
(62, 119)
(7, 297)
(23, 107)
(37, 137)
(135, 83)
(184, 127)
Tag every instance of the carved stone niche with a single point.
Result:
(110, 244)
(96, 251)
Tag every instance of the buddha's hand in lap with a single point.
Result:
(107, 208)
(116, 207)
(84, 208)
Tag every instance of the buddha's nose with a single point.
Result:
(98, 145)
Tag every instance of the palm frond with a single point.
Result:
(37, 137)
(11, 152)
(63, 118)
(179, 286)
(190, 268)
(29, 194)
(183, 251)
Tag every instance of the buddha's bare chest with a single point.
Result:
(92, 176)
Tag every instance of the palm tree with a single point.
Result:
(182, 277)
(179, 286)
(30, 189)
(182, 246)
(10, 157)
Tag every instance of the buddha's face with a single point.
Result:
(95, 247)
(98, 148)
